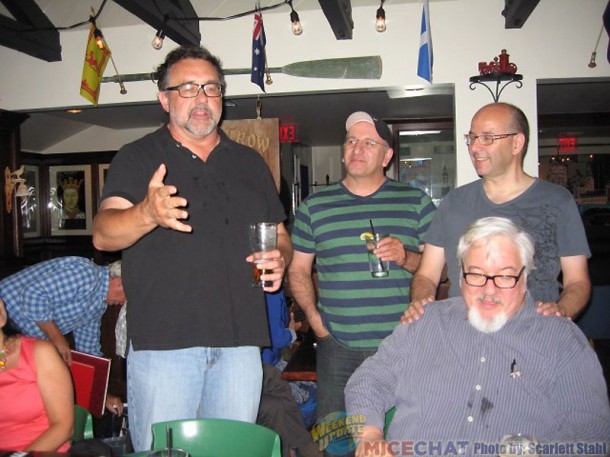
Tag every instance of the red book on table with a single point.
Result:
(90, 376)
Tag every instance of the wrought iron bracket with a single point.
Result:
(501, 79)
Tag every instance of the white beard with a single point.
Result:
(486, 325)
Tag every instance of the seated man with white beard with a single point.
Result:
(482, 366)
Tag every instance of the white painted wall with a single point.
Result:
(556, 42)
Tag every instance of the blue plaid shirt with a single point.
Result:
(70, 291)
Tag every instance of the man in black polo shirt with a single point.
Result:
(179, 202)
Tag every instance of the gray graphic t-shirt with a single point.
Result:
(546, 211)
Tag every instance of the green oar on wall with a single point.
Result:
(368, 67)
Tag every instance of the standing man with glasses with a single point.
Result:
(351, 311)
(179, 203)
(497, 143)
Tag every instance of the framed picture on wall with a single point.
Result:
(70, 200)
(30, 204)
(101, 177)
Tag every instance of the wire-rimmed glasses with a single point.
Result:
(485, 139)
(366, 143)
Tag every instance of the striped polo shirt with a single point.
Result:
(360, 310)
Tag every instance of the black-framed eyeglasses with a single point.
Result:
(366, 143)
(191, 90)
(485, 139)
(500, 281)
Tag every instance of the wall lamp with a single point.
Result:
(297, 28)
(380, 24)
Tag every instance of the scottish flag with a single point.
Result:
(258, 51)
(426, 57)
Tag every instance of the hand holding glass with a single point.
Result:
(379, 268)
(263, 238)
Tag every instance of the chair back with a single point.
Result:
(217, 438)
(388, 420)
(83, 424)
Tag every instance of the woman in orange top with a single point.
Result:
(36, 394)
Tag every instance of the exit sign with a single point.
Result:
(288, 133)
(567, 144)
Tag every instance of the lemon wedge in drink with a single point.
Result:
(365, 235)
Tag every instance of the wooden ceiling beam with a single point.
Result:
(339, 16)
(168, 15)
(516, 12)
(28, 12)
(29, 31)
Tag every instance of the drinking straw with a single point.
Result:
(168, 440)
(372, 229)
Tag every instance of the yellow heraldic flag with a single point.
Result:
(93, 68)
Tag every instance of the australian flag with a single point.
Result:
(258, 51)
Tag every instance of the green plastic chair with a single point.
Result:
(388, 420)
(217, 438)
(83, 424)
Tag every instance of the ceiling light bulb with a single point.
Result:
(380, 21)
(157, 41)
(297, 28)
(99, 38)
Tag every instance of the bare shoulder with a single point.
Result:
(46, 355)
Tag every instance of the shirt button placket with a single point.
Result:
(477, 387)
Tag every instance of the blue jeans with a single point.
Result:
(199, 382)
(335, 364)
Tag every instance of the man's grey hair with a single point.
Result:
(115, 269)
(488, 228)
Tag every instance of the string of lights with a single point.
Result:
(69, 27)
(296, 25)
(157, 42)
(167, 17)
(235, 16)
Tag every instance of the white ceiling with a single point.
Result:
(319, 117)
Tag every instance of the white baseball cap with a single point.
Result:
(382, 128)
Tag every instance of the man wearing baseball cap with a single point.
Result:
(354, 311)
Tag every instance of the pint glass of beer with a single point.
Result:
(263, 238)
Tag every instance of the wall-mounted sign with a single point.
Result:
(567, 144)
(262, 136)
(288, 133)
